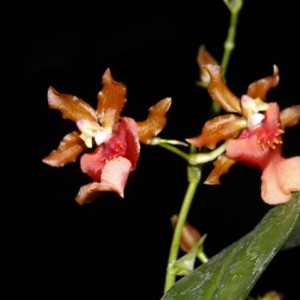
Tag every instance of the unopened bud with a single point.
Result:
(190, 235)
(272, 295)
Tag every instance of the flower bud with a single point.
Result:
(189, 237)
(272, 295)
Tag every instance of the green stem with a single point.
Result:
(229, 42)
(194, 175)
(205, 157)
(229, 45)
(157, 140)
(176, 151)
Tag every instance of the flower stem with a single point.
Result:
(229, 42)
(229, 45)
(194, 175)
(175, 150)
(205, 157)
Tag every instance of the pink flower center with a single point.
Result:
(267, 136)
(257, 146)
(123, 142)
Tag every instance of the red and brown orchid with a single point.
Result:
(112, 142)
(254, 131)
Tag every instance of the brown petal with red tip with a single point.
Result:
(70, 106)
(219, 92)
(218, 129)
(260, 88)
(111, 100)
(290, 116)
(155, 122)
(68, 150)
(221, 166)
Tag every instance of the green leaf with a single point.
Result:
(232, 273)
(294, 239)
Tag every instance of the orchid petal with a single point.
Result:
(93, 163)
(221, 166)
(218, 129)
(219, 92)
(204, 58)
(68, 150)
(111, 100)
(260, 88)
(279, 179)
(113, 179)
(132, 140)
(289, 174)
(70, 106)
(155, 122)
(290, 116)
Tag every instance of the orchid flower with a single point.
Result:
(111, 142)
(254, 131)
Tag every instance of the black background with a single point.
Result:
(117, 248)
